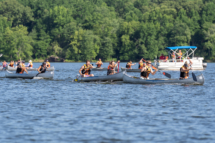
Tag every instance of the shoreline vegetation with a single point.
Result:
(88, 30)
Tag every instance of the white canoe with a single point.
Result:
(131, 70)
(99, 69)
(46, 75)
(30, 69)
(138, 80)
(114, 77)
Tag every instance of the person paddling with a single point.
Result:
(184, 70)
(129, 64)
(30, 64)
(111, 68)
(4, 65)
(48, 65)
(11, 64)
(141, 64)
(42, 68)
(146, 70)
(85, 70)
(99, 63)
(21, 69)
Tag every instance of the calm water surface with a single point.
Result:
(61, 110)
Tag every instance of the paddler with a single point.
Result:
(30, 64)
(48, 64)
(86, 69)
(146, 70)
(99, 63)
(11, 64)
(129, 64)
(21, 69)
(180, 55)
(184, 70)
(4, 65)
(42, 68)
(111, 68)
(141, 64)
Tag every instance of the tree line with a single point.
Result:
(78, 30)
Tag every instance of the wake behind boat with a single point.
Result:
(114, 77)
(46, 75)
(138, 80)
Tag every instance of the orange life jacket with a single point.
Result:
(99, 64)
(128, 66)
(140, 65)
(48, 64)
(110, 68)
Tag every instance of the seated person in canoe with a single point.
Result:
(99, 63)
(86, 69)
(129, 64)
(11, 64)
(146, 70)
(111, 68)
(42, 68)
(141, 64)
(30, 64)
(184, 70)
(48, 65)
(21, 68)
(4, 64)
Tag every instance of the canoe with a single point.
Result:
(99, 69)
(138, 80)
(46, 75)
(1, 69)
(30, 69)
(114, 77)
(131, 70)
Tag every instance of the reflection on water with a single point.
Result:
(61, 110)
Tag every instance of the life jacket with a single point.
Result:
(173, 56)
(42, 69)
(99, 64)
(86, 70)
(128, 65)
(180, 55)
(184, 74)
(11, 64)
(31, 65)
(48, 64)
(140, 65)
(109, 70)
(146, 73)
(20, 70)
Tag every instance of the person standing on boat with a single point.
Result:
(111, 68)
(141, 64)
(86, 69)
(99, 63)
(30, 64)
(42, 68)
(173, 57)
(146, 70)
(21, 69)
(180, 55)
(184, 70)
(48, 65)
(129, 64)
(11, 64)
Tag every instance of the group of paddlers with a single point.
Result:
(21, 67)
(146, 68)
(174, 56)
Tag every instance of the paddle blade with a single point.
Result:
(194, 77)
(167, 74)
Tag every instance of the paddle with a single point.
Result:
(118, 66)
(164, 73)
(193, 75)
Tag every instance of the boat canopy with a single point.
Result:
(181, 47)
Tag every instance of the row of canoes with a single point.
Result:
(29, 69)
(123, 76)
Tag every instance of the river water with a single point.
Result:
(61, 110)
